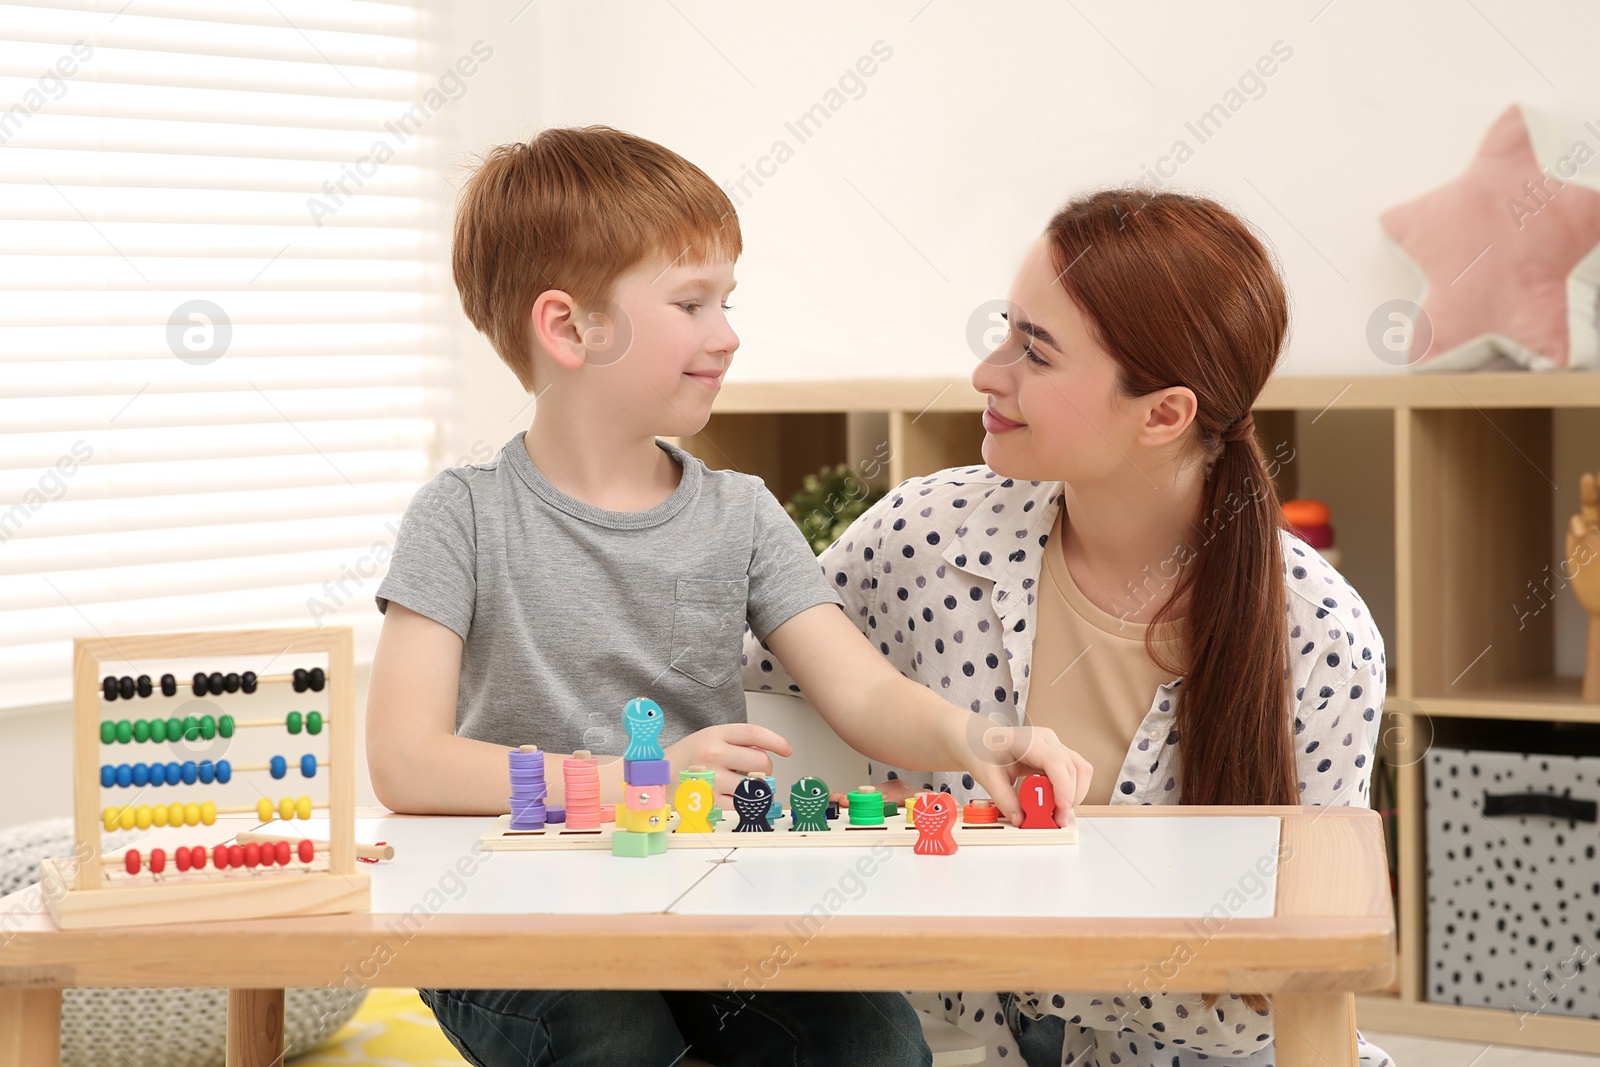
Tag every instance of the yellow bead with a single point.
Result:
(208, 812)
(175, 813)
(286, 808)
(302, 808)
(109, 817)
(142, 817)
(159, 816)
(126, 818)
(191, 814)
(264, 809)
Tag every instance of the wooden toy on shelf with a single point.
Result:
(1583, 570)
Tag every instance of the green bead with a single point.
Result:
(208, 727)
(191, 729)
(124, 731)
(141, 731)
(108, 732)
(174, 728)
(158, 730)
(225, 726)
(313, 722)
(293, 722)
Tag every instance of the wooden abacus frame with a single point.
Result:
(80, 898)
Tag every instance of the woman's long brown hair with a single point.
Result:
(1180, 292)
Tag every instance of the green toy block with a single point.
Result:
(657, 843)
(628, 843)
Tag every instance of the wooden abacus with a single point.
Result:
(85, 892)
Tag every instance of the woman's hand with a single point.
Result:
(997, 756)
(732, 750)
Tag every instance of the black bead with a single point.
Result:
(300, 680)
(126, 687)
(200, 686)
(318, 679)
(145, 688)
(215, 683)
(109, 687)
(169, 686)
(247, 681)
(231, 683)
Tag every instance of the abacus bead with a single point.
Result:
(143, 816)
(286, 808)
(124, 731)
(108, 732)
(158, 815)
(174, 729)
(158, 860)
(230, 682)
(108, 775)
(208, 727)
(141, 774)
(269, 855)
(191, 773)
(141, 731)
(225, 726)
(126, 817)
(264, 810)
(124, 775)
(108, 686)
(181, 858)
(201, 687)
(208, 772)
(307, 849)
(252, 855)
(284, 853)
(224, 771)
(279, 767)
(219, 857)
(300, 680)
(175, 813)
(217, 683)
(247, 681)
(208, 812)
(313, 722)
(292, 721)
(191, 728)
(191, 814)
(197, 857)
(131, 861)
(143, 686)
(302, 808)
(158, 730)
(236, 855)
(174, 772)
(126, 687)
(109, 817)
(317, 679)
(158, 774)
(308, 765)
(169, 686)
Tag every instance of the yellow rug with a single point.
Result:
(392, 1028)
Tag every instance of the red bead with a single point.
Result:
(219, 857)
(131, 861)
(181, 857)
(236, 855)
(197, 857)
(268, 854)
(158, 861)
(307, 850)
(252, 855)
(284, 853)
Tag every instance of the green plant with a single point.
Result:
(828, 502)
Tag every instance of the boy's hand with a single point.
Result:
(732, 750)
(997, 756)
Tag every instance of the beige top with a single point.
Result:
(1092, 680)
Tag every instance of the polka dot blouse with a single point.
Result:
(941, 576)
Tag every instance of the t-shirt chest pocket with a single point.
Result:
(708, 627)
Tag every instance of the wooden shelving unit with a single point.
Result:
(1444, 491)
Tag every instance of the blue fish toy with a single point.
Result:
(643, 719)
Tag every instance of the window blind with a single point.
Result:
(220, 339)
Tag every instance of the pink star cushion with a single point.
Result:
(1509, 253)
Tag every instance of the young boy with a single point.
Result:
(529, 597)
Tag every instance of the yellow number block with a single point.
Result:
(693, 801)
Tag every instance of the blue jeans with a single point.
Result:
(641, 1028)
(1039, 1040)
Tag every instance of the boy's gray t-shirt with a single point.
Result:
(567, 611)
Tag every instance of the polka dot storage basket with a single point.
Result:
(184, 1027)
(1513, 853)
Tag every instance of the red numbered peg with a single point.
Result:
(935, 820)
(1038, 799)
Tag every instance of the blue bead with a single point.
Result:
(280, 767)
(308, 765)
(174, 772)
(158, 774)
(124, 775)
(207, 772)
(141, 774)
(108, 775)
(224, 771)
(190, 772)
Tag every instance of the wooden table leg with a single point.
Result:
(1314, 1029)
(30, 1026)
(255, 1027)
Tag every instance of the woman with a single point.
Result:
(1119, 572)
